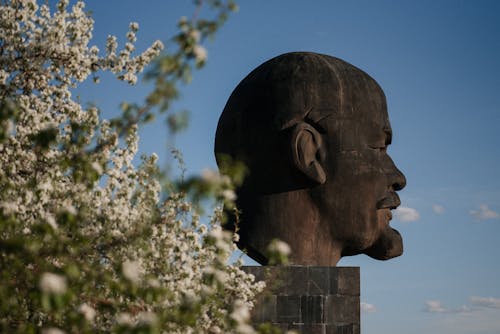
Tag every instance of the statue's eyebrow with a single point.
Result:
(317, 115)
(312, 117)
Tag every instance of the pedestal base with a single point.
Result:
(308, 299)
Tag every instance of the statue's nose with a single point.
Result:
(398, 180)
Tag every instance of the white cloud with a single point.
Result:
(438, 209)
(489, 302)
(484, 212)
(463, 309)
(481, 321)
(434, 306)
(405, 214)
(478, 303)
(481, 317)
(368, 308)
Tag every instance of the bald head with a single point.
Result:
(289, 121)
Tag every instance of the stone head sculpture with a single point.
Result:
(313, 131)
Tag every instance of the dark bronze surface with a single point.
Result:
(313, 131)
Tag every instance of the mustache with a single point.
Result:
(391, 201)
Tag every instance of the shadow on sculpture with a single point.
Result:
(313, 131)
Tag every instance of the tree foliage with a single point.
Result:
(86, 244)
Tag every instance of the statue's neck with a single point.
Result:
(293, 218)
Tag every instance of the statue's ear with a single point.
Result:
(307, 148)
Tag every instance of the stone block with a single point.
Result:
(342, 309)
(254, 270)
(318, 280)
(344, 281)
(308, 328)
(343, 329)
(288, 309)
(312, 309)
(289, 280)
(265, 310)
(276, 278)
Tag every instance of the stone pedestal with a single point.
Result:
(309, 299)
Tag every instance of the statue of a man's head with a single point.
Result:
(313, 132)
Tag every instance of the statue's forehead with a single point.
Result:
(356, 103)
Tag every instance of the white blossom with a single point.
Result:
(52, 330)
(240, 313)
(9, 207)
(229, 194)
(97, 167)
(147, 318)
(125, 319)
(134, 26)
(53, 283)
(280, 247)
(87, 311)
(200, 53)
(51, 221)
(132, 270)
(210, 175)
(195, 35)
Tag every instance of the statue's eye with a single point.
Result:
(380, 148)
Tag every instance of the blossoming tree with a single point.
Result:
(86, 244)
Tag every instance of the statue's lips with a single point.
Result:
(389, 243)
(391, 202)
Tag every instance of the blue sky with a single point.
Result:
(438, 63)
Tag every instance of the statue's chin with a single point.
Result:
(387, 246)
